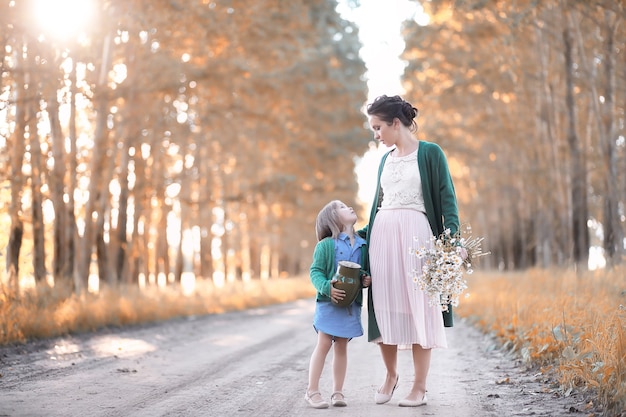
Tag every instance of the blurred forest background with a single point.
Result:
(168, 157)
(172, 137)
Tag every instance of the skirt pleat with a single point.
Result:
(403, 314)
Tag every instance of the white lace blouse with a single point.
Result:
(402, 184)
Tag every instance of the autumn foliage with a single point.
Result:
(175, 137)
(528, 100)
(201, 137)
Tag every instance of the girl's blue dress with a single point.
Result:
(341, 321)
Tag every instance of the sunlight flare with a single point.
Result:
(63, 19)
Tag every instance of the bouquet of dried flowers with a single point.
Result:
(445, 261)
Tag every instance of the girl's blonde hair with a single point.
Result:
(327, 223)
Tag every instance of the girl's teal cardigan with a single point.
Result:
(323, 268)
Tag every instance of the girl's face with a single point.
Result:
(346, 214)
(383, 132)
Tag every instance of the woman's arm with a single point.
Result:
(449, 207)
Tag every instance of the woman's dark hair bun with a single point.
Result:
(409, 111)
(389, 108)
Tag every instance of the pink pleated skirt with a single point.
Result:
(402, 311)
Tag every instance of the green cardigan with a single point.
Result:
(440, 203)
(323, 268)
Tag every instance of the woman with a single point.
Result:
(414, 200)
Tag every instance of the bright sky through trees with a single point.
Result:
(380, 24)
(63, 19)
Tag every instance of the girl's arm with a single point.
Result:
(320, 276)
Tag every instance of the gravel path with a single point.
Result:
(255, 363)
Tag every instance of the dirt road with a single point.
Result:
(254, 363)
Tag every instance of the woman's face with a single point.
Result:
(383, 132)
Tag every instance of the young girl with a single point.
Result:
(337, 241)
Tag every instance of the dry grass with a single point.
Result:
(45, 313)
(570, 325)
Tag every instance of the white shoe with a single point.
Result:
(381, 398)
(315, 404)
(410, 403)
(338, 400)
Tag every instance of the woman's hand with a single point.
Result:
(366, 281)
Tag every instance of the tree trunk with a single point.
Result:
(61, 267)
(555, 234)
(205, 214)
(206, 258)
(85, 249)
(105, 270)
(120, 255)
(71, 229)
(161, 247)
(246, 266)
(39, 253)
(179, 263)
(16, 231)
(607, 133)
(134, 252)
(578, 172)
(613, 233)
(119, 237)
(102, 254)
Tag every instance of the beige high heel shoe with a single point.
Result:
(410, 403)
(381, 398)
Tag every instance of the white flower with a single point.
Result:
(444, 262)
